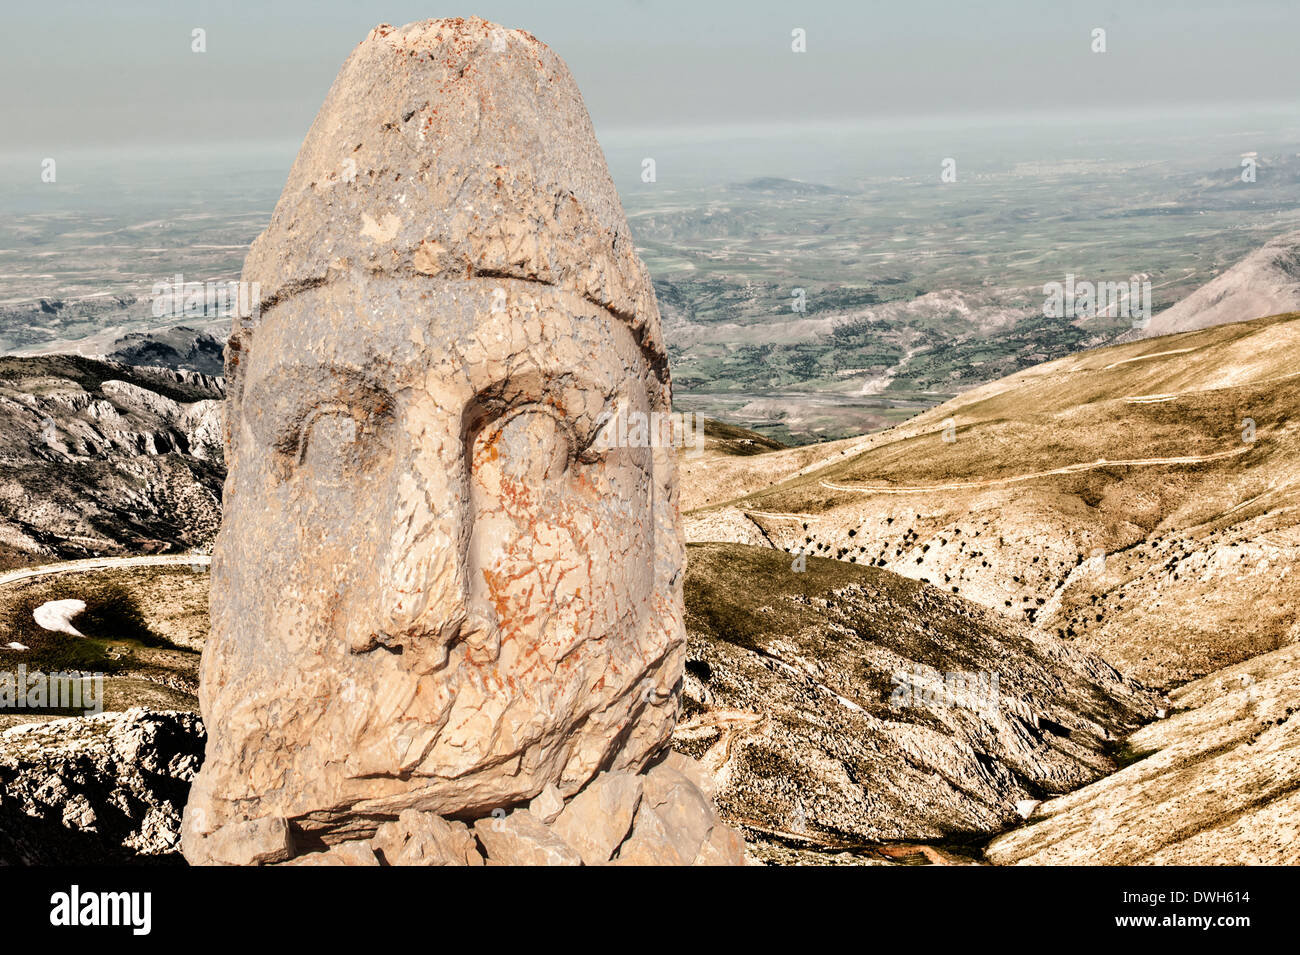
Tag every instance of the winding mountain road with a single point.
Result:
(104, 563)
(1033, 475)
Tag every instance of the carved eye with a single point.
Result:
(330, 444)
(531, 445)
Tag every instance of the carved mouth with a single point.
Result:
(430, 650)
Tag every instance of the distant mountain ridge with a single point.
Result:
(180, 347)
(49, 321)
(1266, 282)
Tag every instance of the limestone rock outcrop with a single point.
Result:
(438, 587)
(95, 790)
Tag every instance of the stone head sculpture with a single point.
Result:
(434, 589)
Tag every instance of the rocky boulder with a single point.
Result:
(657, 818)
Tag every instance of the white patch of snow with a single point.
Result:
(58, 614)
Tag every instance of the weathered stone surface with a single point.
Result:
(250, 841)
(685, 810)
(598, 819)
(521, 839)
(423, 838)
(675, 823)
(651, 842)
(723, 847)
(434, 587)
(693, 770)
(449, 148)
(345, 853)
(547, 804)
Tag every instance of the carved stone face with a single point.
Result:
(451, 595)
(433, 588)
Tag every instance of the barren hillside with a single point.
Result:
(1139, 500)
(1266, 282)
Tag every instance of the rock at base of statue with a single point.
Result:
(659, 817)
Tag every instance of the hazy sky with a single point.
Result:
(95, 72)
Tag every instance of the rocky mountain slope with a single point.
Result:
(842, 705)
(1266, 282)
(1140, 500)
(1214, 784)
(1128, 512)
(827, 713)
(104, 458)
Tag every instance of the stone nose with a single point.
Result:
(423, 597)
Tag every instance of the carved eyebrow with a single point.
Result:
(277, 407)
(544, 389)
